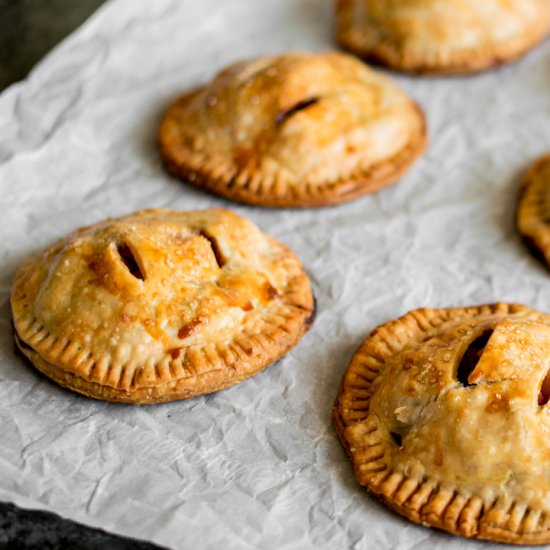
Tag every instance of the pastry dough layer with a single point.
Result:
(160, 305)
(444, 414)
(533, 215)
(293, 130)
(442, 36)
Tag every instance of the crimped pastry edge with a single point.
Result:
(281, 326)
(433, 505)
(530, 223)
(191, 386)
(221, 177)
(461, 62)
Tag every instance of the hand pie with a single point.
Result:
(442, 36)
(294, 130)
(533, 216)
(160, 305)
(445, 416)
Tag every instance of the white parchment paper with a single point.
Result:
(258, 465)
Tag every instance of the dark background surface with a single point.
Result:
(30, 28)
(37, 530)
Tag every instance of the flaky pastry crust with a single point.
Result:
(533, 214)
(444, 414)
(294, 130)
(442, 36)
(160, 305)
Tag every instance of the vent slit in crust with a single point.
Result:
(128, 259)
(544, 394)
(283, 116)
(397, 438)
(471, 358)
(220, 259)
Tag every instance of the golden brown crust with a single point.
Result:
(160, 305)
(533, 213)
(442, 36)
(444, 454)
(296, 130)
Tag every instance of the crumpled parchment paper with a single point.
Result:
(258, 465)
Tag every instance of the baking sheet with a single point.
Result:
(258, 465)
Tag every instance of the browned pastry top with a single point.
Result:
(445, 415)
(442, 36)
(146, 303)
(293, 130)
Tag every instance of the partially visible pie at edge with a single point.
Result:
(445, 416)
(533, 214)
(442, 36)
(160, 305)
